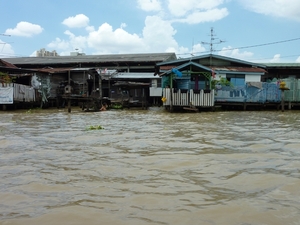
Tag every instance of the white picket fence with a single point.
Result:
(21, 93)
(188, 97)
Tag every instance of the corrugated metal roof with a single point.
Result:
(130, 84)
(134, 75)
(228, 69)
(6, 64)
(282, 65)
(188, 64)
(53, 70)
(62, 70)
(149, 57)
(240, 69)
(213, 56)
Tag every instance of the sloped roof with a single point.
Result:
(282, 65)
(191, 63)
(146, 57)
(194, 58)
(232, 69)
(7, 67)
(228, 69)
(6, 64)
(130, 84)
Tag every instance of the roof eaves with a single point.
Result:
(213, 56)
(186, 64)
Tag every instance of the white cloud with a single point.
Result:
(67, 46)
(235, 53)
(275, 59)
(33, 54)
(187, 11)
(298, 60)
(159, 34)
(107, 40)
(149, 5)
(198, 48)
(90, 28)
(278, 8)
(6, 49)
(59, 44)
(183, 8)
(77, 21)
(205, 16)
(25, 29)
(184, 52)
(123, 25)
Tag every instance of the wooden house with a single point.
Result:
(289, 73)
(219, 78)
(186, 86)
(65, 71)
(17, 87)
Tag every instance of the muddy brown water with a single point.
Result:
(149, 167)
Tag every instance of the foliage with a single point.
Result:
(6, 78)
(96, 127)
(116, 105)
(222, 81)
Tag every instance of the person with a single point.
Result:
(104, 107)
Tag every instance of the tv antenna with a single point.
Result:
(212, 43)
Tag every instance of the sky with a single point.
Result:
(253, 30)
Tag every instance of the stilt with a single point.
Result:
(69, 105)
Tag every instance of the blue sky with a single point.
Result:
(252, 30)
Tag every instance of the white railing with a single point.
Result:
(190, 97)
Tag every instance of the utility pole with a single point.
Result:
(212, 43)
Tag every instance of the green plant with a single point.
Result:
(96, 127)
(222, 81)
(6, 78)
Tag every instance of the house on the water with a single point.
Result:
(75, 77)
(18, 87)
(152, 79)
(289, 73)
(209, 80)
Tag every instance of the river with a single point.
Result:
(149, 167)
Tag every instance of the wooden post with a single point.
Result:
(69, 105)
(69, 83)
(171, 92)
(282, 100)
(283, 88)
(100, 87)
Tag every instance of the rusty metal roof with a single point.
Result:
(130, 84)
(6, 64)
(239, 69)
(53, 70)
(213, 56)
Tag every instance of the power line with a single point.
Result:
(281, 57)
(249, 46)
(259, 45)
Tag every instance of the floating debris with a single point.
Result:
(96, 127)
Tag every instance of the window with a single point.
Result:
(236, 79)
